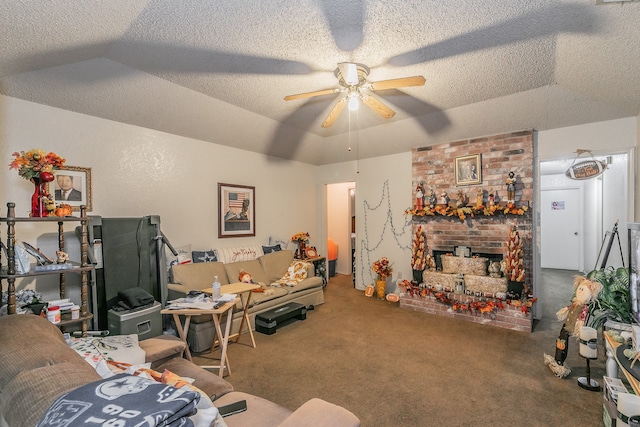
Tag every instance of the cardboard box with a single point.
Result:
(146, 321)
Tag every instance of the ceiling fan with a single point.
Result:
(352, 77)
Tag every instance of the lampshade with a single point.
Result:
(588, 342)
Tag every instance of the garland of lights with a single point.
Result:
(367, 245)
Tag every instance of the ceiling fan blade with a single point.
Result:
(334, 113)
(378, 106)
(396, 83)
(310, 94)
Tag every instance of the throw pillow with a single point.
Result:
(269, 249)
(183, 257)
(245, 253)
(275, 240)
(204, 256)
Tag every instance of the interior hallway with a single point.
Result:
(557, 291)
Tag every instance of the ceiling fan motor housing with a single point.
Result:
(351, 74)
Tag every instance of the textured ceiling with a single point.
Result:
(218, 70)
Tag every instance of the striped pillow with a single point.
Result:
(246, 253)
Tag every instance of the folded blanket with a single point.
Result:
(123, 400)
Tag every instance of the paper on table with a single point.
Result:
(227, 297)
(197, 305)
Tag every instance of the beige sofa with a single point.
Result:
(37, 366)
(265, 269)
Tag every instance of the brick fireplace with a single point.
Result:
(433, 168)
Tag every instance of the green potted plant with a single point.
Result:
(613, 302)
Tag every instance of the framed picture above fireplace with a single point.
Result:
(468, 169)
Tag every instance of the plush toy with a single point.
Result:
(245, 277)
(574, 317)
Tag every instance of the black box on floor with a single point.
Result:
(145, 321)
(332, 268)
(268, 321)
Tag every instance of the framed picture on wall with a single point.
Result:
(72, 186)
(468, 170)
(236, 210)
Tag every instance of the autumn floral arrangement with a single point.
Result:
(382, 268)
(31, 164)
(300, 237)
(418, 256)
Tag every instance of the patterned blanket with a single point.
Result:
(295, 274)
(123, 400)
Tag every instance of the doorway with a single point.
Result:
(340, 216)
(601, 202)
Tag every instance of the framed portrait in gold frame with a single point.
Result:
(468, 169)
(72, 186)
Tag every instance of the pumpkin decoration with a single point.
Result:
(63, 209)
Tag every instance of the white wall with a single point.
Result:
(383, 192)
(138, 172)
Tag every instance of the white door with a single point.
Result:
(560, 229)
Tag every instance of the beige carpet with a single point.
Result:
(394, 367)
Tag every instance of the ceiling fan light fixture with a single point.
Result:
(354, 101)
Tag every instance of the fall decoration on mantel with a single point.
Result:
(471, 211)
